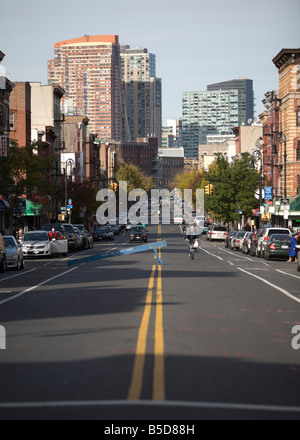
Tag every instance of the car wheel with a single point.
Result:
(2, 266)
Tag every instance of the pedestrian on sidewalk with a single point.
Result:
(293, 251)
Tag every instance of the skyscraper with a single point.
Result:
(246, 96)
(142, 94)
(88, 69)
(216, 110)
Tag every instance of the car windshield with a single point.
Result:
(241, 234)
(104, 229)
(36, 236)
(9, 242)
(278, 231)
(138, 229)
(219, 228)
(281, 238)
(69, 229)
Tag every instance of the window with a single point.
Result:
(298, 117)
(11, 121)
(298, 151)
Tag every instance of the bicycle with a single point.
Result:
(194, 245)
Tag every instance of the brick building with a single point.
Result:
(288, 65)
(20, 114)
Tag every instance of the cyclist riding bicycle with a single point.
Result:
(192, 236)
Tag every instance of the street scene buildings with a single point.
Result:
(149, 258)
(103, 106)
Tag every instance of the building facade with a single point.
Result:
(246, 93)
(88, 68)
(20, 114)
(288, 65)
(215, 111)
(142, 116)
(6, 87)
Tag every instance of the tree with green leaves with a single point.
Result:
(235, 185)
(23, 172)
(125, 172)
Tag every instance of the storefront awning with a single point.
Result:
(33, 209)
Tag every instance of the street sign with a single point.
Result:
(268, 193)
(70, 202)
(70, 207)
(285, 204)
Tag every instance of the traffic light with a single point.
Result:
(114, 186)
(209, 190)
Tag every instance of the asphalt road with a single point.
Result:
(123, 338)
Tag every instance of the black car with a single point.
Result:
(72, 237)
(138, 233)
(103, 233)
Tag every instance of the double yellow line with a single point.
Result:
(158, 387)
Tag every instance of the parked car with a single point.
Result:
(89, 241)
(279, 245)
(103, 233)
(268, 232)
(255, 251)
(14, 253)
(138, 233)
(38, 244)
(216, 233)
(58, 228)
(114, 227)
(247, 243)
(228, 238)
(72, 236)
(80, 241)
(83, 233)
(237, 241)
(2, 255)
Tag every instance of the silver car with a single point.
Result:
(216, 233)
(14, 253)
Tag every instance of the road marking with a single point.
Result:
(289, 274)
(151, 403)
(271, 284)
(30, 289)
(138, 370)
(159, 360)
(19, 274)
(213, 255)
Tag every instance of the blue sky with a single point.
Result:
(196, 42)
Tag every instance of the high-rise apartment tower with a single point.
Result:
(142, 94)
(88, 69)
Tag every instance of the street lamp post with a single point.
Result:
(282, 138)
(258, 155)
(71, 163)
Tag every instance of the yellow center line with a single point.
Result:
(138, 370)
(158, 391)
(159, 356)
